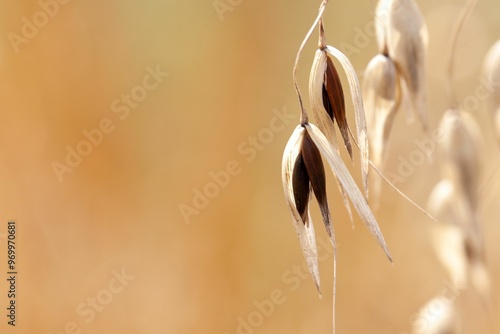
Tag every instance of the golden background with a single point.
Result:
(120, 208)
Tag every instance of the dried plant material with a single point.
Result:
(297, 194)
(302, 167)
(339, 169)
(448, 204)
(359, 111)
(480, 280)
(448, 236)
(400, 26)
(327, 101)
(497, 121)
(381, 98)
(438, 316)
(324, 104)
(448, 241)
(458, 239)
(323, 117)
(302, 170)
(462, 18)
(474, 251)
(459, 148)
(327, 98)
(491, 72)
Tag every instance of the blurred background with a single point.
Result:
(141, 146)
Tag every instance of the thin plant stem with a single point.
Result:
(402, 194)
(431, 217)
(303, 116)
(334, 286)
(322, 40)
(457, 31)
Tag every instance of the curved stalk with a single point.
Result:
(303, 116)
(457, 31)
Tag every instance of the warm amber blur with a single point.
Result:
(115, 244)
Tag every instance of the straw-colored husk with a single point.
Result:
(402, 30)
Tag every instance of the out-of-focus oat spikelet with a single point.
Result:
(491, 69)
(457, 238)
(381, 96)
(438, 316)
(459, 149)
(496, 121)
(454, 201)
(448, 236)
(491, 72)
(400, 26)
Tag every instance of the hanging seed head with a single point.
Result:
(453, 213)
(381, 99)
(443, 320)
(327, 98)
(327, 101)
(480, 280)
(333, 101)
(328, 105)
(496, 121)
(323, 117)
(474, 251)
(491, 71)
(309, 173)
(457, 239)
(303, 171)
(459, 149)
(400, 27)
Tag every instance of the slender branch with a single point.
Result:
(457, 31)
(303, 115)
(334, 285)
(402, 193)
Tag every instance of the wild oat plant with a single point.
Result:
(393, 79)
(491, 71)
(302, 167)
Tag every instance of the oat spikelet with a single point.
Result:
(340, 170)
(381, 99)
(491, 72)
(327, 100)
(457, 238)
(448, 236)
(459, 149)
(437, 317)
(496, 121)
(401, 27)
(303, 172)
(296, 187)
(459, 243)
(328, 106)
